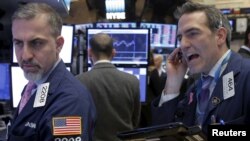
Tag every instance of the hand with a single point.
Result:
(176, 69)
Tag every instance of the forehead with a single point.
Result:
(192, 20)
(22, 28)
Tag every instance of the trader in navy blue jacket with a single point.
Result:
(204, 35)
(60, 107)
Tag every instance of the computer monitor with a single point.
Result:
(18, 81)
(5, 82)
(67, 50)
(83, 27)
(132, 45)
(141, 74)
(161, 35)
(116, 25)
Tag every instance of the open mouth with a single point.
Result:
(192, 57)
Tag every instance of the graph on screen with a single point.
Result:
(131, 44)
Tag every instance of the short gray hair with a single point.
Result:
(102, 45)
(31, 10)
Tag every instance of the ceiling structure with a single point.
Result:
(83, 11)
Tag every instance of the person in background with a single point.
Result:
(116, 93)
(151, 63)
(245, 49)
(158, 76)
(58, 106)
(221, 95)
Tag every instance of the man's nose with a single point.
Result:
(27, 53)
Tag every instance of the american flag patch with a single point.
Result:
(67, 126)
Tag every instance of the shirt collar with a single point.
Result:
(102, 61)
(218, 65)
(246, 48)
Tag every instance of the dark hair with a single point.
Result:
(246, 40)
(31, 10)
(101, 45)
(215, 19)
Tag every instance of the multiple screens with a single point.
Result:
(141, 74)
(66, 52)
(161, 35)
(116, 25)
(132, 45)
(83, 27)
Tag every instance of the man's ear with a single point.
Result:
(221, 36)
(59, 43)
(113, 53)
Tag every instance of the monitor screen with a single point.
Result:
(4, 81)
(132, 45)
(162, 35)
(66, 52)
(83, 27)
(226, 11)
(116, 25)
(141, 74)
(18, 81)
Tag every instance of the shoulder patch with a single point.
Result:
(63, 126)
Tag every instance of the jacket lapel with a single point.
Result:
(54, 79)
(27, 110)
(217, 96)
(188, 105)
